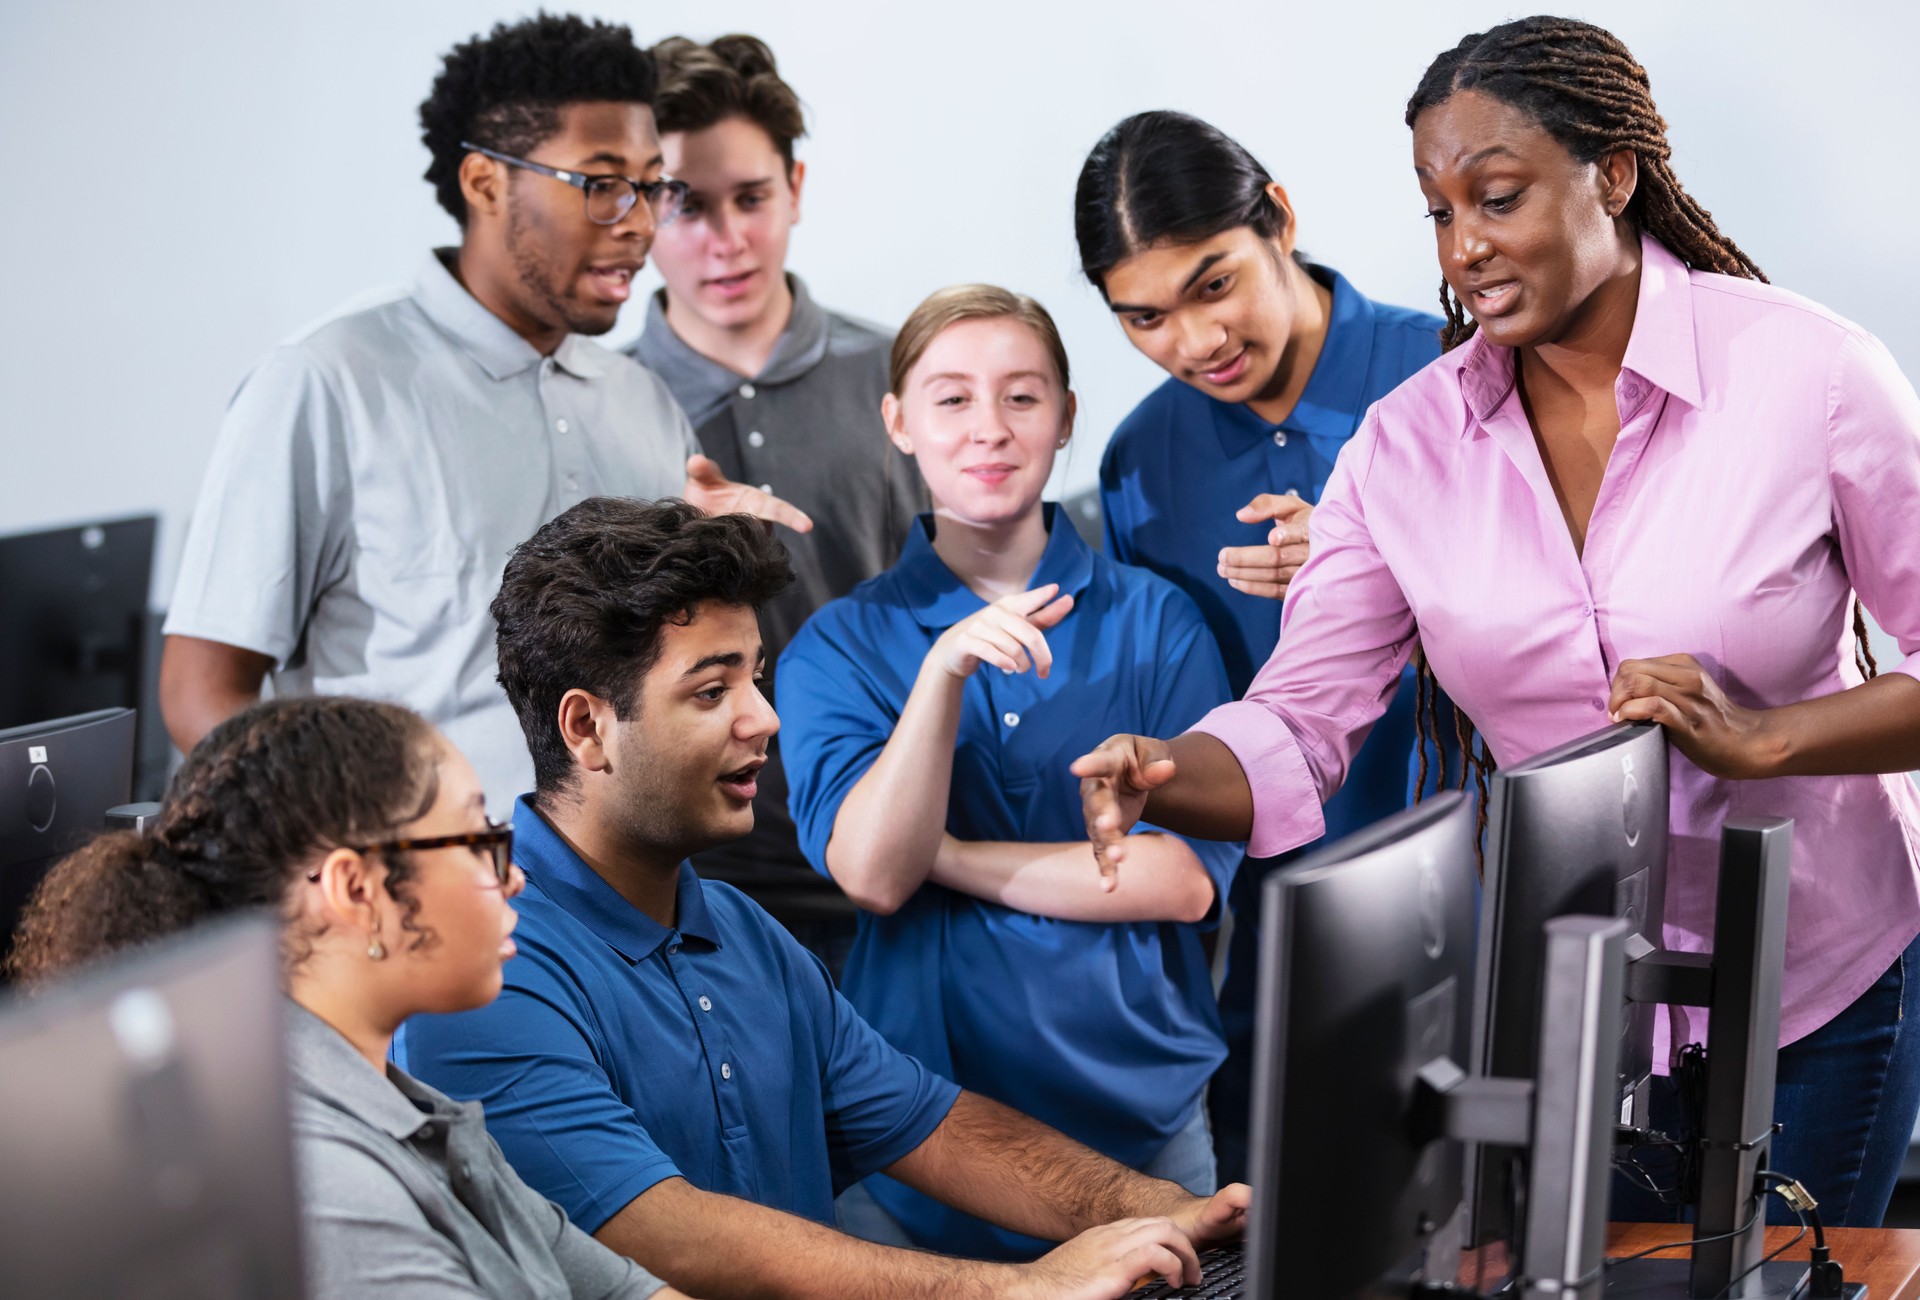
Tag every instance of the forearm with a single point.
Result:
(994, 1163)
(203, 683)
(1208, 797)
(889, 827)
(1164, 880)
(719, 1248)
(1874, 727)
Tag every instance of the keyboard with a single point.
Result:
(1222, 1277)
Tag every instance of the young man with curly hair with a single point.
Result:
(781, 391)
(373, 472)
(665, 1061)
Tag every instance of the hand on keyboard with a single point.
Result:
(1102, 1263)
(1209, 1221)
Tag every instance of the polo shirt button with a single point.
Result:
(546, 367)
(1279, 437)
(767, 488)
(726, 1070)
(1011, 719)
(560, 425)
(706, 1003)
(746, 390)
(672, 949)
(573, 484)
(1293, 492)
(756, 439)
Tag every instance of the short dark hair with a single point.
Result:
(505, 90)
(584, 599)
(1165, 175)
(733, 76)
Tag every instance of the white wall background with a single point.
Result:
(184, 184)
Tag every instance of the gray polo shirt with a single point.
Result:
(405, 1196)
(369, 480)
(806, 428)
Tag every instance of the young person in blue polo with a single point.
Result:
(931, 715)
(1209, 482)
(666, 1062)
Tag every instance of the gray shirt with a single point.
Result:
(369, 480)
(808, 429)
(406, 1196)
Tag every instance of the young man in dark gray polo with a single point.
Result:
(373, 472)
(782, 393)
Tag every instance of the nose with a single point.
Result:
(638, 224)
(723, 231)
(516, 881)
(1199, 338)
(757, 719)
(1469, 245)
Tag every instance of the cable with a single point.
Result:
(1693, 1241)
(1770, 1256)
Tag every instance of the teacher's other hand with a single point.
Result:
(1115, 780)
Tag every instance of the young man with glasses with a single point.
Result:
(372, 474)
(665, 1061)
(781, 391)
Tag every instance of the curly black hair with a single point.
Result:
(505, 90)
(583, 602)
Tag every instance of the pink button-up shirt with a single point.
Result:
(1768, 466)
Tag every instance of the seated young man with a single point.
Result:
(666, 1062)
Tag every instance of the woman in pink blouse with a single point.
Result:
(1640, 484)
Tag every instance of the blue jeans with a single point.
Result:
(1187, 1160)
(1845, 1096)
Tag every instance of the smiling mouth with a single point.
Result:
(615, 282)
(1228, 372)
(1495, 298)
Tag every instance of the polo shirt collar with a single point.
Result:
(701, 384)
(1336, 390)
(558, 872)
(1660, 350)
(937, 597)
(325, 1065)
(482, 335)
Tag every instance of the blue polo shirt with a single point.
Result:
(1107, 1032)
(622, 1053)
(1182, 463)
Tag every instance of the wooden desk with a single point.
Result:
(1886, 1259)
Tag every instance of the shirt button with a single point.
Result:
(1586, 611)
(706, 1003)
(1599, 703)
(756, 439)
(1279, 437)
(1293, 492)
(560, 425)
(726, 1070)
(573, 484)
(746, 390)
(1633, 392)
(767, 488)
(673, 949)
(546, 367)
(1011, 719)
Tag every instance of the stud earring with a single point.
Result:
(375, 949)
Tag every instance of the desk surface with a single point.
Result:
(1886, 1259)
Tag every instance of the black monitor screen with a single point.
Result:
(74, 603)
(1366, 970)
(144, 1127)
(1578, 830)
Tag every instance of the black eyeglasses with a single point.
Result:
(497, 839)
(609, 197)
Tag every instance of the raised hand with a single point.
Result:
(715, 493)
(1010, 634)
(1267, 570)
(1115, 780)
(1105, 1263)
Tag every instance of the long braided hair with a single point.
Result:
(1585, 89)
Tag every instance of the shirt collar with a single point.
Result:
(1660, 350)
(1335, 396)
(937, 597)
(559, 873)
(701, 384)
(489, 340)
(325, 1065)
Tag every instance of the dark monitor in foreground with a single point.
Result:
(144, 1127)
(57, 780)
(1366, 970)
(1578, 830)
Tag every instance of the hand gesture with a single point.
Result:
(716, 494)
(1721, 737)
(1010, 634)
(1115, 780)
(1267, 570)
(1105, 1263)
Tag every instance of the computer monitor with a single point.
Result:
(1366, 970)
(79, 635)
(144, 1127)
(57, 780)
(1578, 830)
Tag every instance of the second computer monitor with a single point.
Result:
(1578, 830)
(1366, 969)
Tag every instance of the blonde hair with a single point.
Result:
(962, 302)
